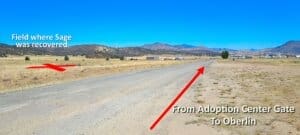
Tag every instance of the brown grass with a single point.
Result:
(15, 76)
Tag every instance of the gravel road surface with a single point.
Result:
(123, 103)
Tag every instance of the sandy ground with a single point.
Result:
(255, 83)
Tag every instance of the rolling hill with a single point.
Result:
(102, 51)
(182, 48)
(290, 47)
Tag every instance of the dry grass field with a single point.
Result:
(15, 76)
(256, 82)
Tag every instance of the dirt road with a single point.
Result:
(124, 103)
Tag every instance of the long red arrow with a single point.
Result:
(186, 87)
(54, 67)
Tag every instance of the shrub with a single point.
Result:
(107, 59)
(67, 58)
(121, 58)
(27, 58)
(225, 54)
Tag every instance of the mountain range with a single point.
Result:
(97, 50)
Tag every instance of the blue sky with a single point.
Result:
(233, 24)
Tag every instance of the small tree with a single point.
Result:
(107, 59)
(27, 58)
(225, 54)
(66, 58)
(122, 58)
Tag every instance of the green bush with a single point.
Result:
(67, 58)
(225, 54)
(27, 58)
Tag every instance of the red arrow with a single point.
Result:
(186, 87)
(54, 67)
